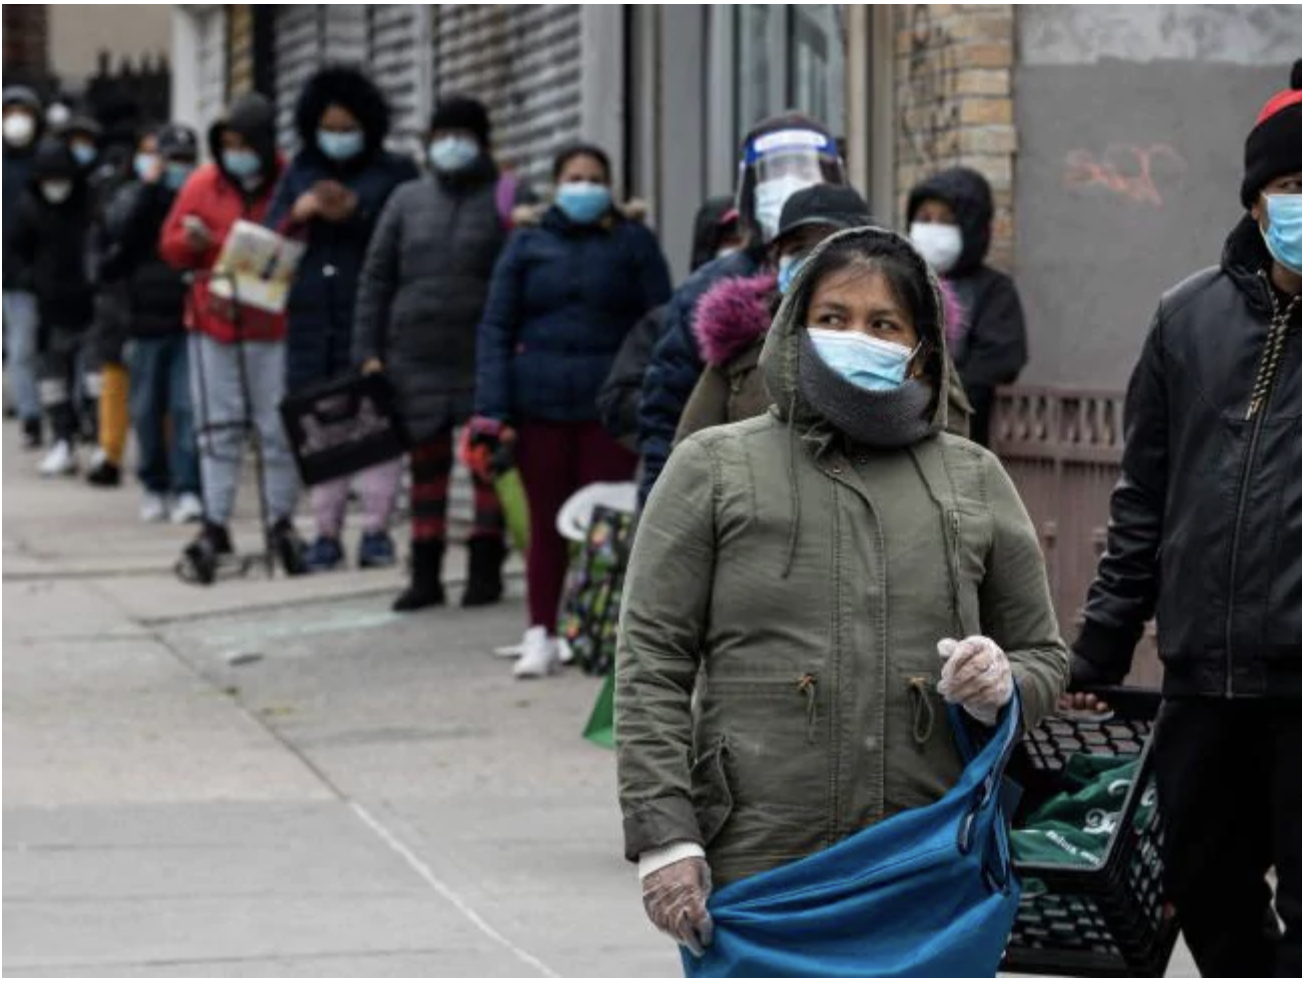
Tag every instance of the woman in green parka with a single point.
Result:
(808, 586)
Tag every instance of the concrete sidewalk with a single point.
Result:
(281, 778)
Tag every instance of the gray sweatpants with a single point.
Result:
(220, 409)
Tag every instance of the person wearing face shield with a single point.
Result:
(331, 197)
(23, 123)
(1204, 535)
(950, 219)
(779, 156)
(420, 298)
(49, 239)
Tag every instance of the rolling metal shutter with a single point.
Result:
(401, 62)
(523, 61)
(211, 69)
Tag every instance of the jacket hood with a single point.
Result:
(707, 228)
(779, 358)
(351, 89)
(53, 159)
(732, 315)
(970, 197)
(254, 118)
(1245, 257)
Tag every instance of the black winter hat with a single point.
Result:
(837, 205)
(1273, 146)
(462, 113)
(177, 142)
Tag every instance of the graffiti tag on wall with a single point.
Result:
(930, 114)
(1131, 172)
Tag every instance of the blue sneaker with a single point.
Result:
(376, 550)
(323, 555)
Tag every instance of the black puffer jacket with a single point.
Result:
(50, 241)
(991, 347)
(1205, 522)
(155, 291)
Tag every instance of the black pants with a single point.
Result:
(1229, 790)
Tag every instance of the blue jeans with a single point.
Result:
(21, 322)
(159, 369)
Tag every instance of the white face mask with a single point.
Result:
(19, 129)
(771, 196)
(56, 192)
(939, 244)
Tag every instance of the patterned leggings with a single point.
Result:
(432, 465)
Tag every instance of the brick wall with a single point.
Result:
(26, 42)
(955, 102)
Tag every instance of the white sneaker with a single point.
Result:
(565, 653)
(153, 507)
(60, 461)
(187, 509)
(539, 657)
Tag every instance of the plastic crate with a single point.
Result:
(1110, 920)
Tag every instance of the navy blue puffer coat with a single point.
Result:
(563, 298)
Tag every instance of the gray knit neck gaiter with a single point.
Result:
(898, 418)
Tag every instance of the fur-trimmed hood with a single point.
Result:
(732, 315)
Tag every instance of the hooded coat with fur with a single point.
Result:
(777, 662)
(730, 327)
(320, 310)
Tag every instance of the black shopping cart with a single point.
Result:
(192, 567)
(1111, 919)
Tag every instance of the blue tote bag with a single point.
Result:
(929, 892)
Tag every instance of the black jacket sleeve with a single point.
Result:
(1126, 587)
(619, 396)
(996, 347)
(137, 235)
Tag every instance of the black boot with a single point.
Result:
(426, 590)
(484, 571)
(200, 560)
(32, 434)
(289, 547)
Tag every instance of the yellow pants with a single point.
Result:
(115, 418)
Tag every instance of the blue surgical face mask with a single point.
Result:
(583, 202)
(1284, 227)
(341, 145)
(84, 153)
(143, 164)
(788, 268)
(242, 164)
(453, 153)
(871, 364)
(176, 173)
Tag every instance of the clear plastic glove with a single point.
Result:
(675, 900)
(976, 675)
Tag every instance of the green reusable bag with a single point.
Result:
(601, 727)
(516, 507)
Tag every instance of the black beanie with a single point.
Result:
(462, 113)
(1273, 146)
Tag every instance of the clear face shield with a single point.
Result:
(777, 165)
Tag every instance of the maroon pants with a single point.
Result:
(556, 460)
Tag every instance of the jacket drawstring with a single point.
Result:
(806, 686)
(925, 715)
(794, 487)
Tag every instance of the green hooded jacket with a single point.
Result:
(777, 662)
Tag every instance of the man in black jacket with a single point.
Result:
(1205, 534)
